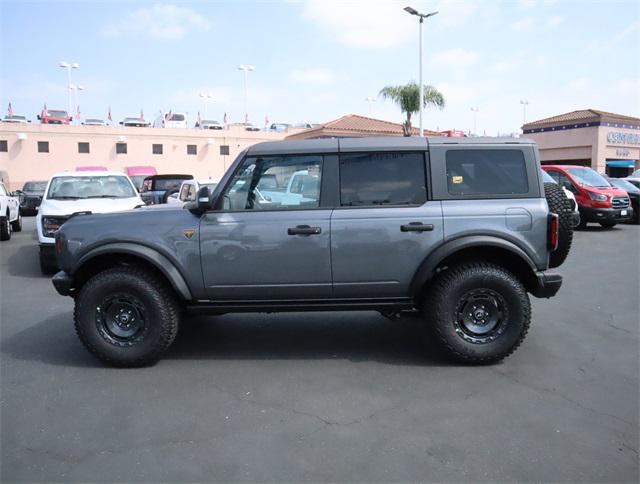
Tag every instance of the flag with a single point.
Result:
(43, 113)
(167, 116)
(78, 112)
(225, 118)
(10, 111)
(266, 120)
(199, 119)
(246, 118)
(141, 115)
(109, 115)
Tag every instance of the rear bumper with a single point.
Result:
(606, 214)
(547, 285)
(63, 283)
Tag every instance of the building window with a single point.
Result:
(192, 149)
(121, 148)
(43, 147)
(224, 149)
(3, 145)
(156, 149)
(83, 147)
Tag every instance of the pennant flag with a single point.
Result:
(225, 118)
(43, 113)
(109, 115)
(168, 115)
(266, 120)
(78, 112)
(10, 111)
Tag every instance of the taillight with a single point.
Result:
(554, 229)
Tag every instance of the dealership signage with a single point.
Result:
(623, 138)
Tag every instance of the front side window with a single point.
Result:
(386, 178)
(275, 183)
(486, 172)
(81, 187)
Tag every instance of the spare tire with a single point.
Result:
(560, 205)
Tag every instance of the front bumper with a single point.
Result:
(63, 283)
(606, 214)
(547, 285)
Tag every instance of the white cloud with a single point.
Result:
(527, 4)
(502, 67)
(580, 84)
(160, 21)
(456, 57)
(555, 20)
(524, 25)
(311, 76)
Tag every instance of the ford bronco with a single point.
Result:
(458, 231)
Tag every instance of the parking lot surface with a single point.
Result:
(328, 396)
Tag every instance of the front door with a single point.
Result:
(269, 242)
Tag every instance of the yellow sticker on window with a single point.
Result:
(457, 179)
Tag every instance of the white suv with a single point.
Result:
(10, 218)
(188, 191)
(72, 192)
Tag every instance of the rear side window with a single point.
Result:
(374, 179)
(486, 172)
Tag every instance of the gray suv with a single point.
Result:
(458, 231)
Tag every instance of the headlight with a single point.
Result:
(50, 225)
(598, 197)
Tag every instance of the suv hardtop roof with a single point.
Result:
(169, 177)
(380, 143)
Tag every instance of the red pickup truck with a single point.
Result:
(54, 116)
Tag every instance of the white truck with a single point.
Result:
(10, 218)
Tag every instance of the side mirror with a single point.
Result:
(70, 118)
(39, 118)
(120, 122)
(203, 199)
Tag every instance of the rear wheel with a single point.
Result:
(126, 316)
(479, 312)
(5, 228)
(16, 225)
(560, 205)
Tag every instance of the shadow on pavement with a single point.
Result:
(25, 262)
(356, 336)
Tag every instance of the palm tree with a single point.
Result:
(408, 98)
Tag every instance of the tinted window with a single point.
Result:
(43, 147)
(121, 148)
(372, 179)
(83, 147)
(156, 149)
(276, 183)
(486, 172)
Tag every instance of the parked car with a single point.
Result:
(156, 188)
(249, 127)
(462, 241)
(31, 196)
(279, 127)
(135, 122)
(597, 200)
(634, 194)
(209, 124)
(15, 118)
(10, 218)
(171, 120)
(575, 220)
(54, 116)
(139, 173)
(634, 178)
(94, 122)
(69, 193)
(189, 190)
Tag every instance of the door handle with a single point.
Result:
(303, 230)
(416, 227)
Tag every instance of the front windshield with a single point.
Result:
(81, 187)
(624, 184)
(177, 117)
(589, 178)
(57, 114)
(35, 186)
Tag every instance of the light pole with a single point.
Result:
(475, 119)
(370, 100)
(524, 103)
(245, 68)
(206, 96)
(75, 88)
(422, 16)
(68, 66)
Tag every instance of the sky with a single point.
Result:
(317, 60)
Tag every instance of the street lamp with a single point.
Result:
(68, 66)
(422, 16)
(475, 118)
(206, 96)
(524, 103)
(370, 100)
(245, 68)
(75, 88)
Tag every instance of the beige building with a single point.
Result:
(36, 151)
(607, 142)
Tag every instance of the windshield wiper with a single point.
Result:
(68, 197)
(105, 196)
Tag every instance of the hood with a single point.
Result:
(611, 191)
(95, 205)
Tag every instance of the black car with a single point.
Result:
(156, 188)
(31, 196)
(633, 192)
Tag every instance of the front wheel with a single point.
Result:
(479, 311)
(126, 316)
(16, 225)
(5, 228)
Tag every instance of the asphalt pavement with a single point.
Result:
(327, 396)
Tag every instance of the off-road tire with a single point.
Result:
(560, 204)
(5, 228)
(608, 225)
(443, 300)
(160, 307)
(16, 225)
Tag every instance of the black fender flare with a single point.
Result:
(159, 261)
(426, 270)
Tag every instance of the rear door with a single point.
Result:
(384, 226)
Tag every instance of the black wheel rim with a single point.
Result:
(481, 316)
(121, 319)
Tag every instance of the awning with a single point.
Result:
(621, 163)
